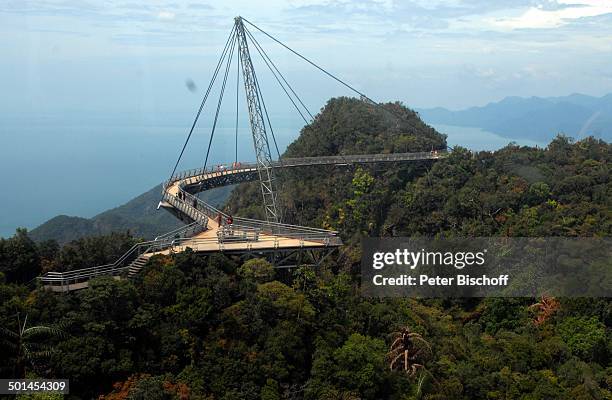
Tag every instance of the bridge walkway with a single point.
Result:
(209, 230)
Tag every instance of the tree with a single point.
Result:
(408, 351)
(355, 368)
(544, 309)
(19, 259)
(25, 345)
(361, 202)
(270, 390)
(92, 251)
(151, 388)
(258, 270)
(586, 337)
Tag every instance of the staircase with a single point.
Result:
(187, 207)
(128, 264)
(139, 262)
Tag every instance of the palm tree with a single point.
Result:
(544, 309)
(24, 344)
(408, 351)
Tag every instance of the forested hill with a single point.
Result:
(139, 216)
(563, 190)
(350, 126)
(311, 195)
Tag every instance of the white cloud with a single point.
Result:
(542, 18)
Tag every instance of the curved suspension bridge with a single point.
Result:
(209, 230)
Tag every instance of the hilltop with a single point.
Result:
(344, 126)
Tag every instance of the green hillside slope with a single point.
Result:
(140, 216)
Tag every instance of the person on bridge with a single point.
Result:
(229, 220)
(219, 219)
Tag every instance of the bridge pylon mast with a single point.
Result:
(258, 126)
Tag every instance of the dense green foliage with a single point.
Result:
(21, 259)
(219, 328)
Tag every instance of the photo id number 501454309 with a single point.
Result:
(22, 386)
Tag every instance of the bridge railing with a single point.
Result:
(247, 224)
(282, 229)
(200, 205)
(182, 231)
(189, 208)
(180, 244)
(114, 269)
(255, 231)
(211, 170)
(322, 160)
(357, 159)
(190, 204)
(84, 274)
(196, 204)
(122, 263)
(200, 211)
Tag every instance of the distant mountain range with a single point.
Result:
(140, 216)
(535, 118)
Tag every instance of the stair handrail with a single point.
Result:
(116, 267)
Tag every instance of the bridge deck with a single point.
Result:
(208, 242)
(206, 235)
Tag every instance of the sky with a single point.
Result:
(104, 91)
(83, 55)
